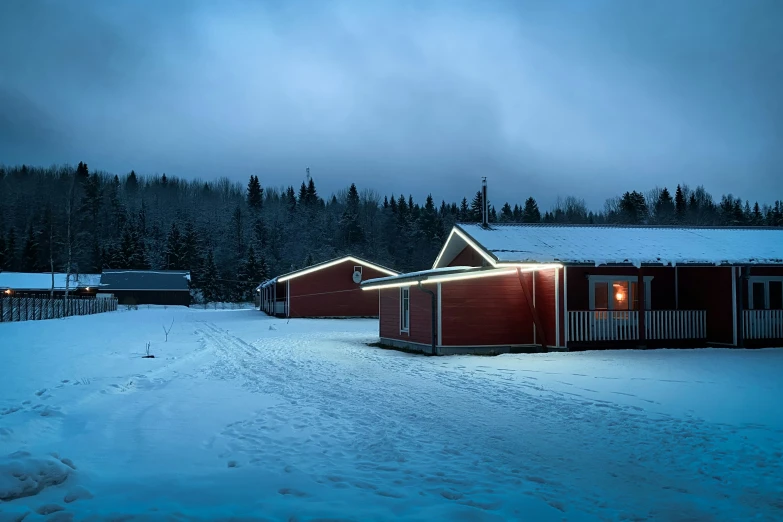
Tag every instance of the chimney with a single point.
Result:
(484, 205)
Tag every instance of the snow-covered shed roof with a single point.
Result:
(327, 264)
(610, 244)
(43, 281)
(145, 280)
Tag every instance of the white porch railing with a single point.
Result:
(603, 326)
(675, 324)
(588, 326)
(762, 324)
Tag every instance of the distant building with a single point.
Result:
(498, 288)
(26, 284)
(157, 287)
(328, 289)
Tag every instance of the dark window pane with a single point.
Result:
(601, 296)
(634, 300)
(758, 296)
(776, 295)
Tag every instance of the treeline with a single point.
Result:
(231, 236)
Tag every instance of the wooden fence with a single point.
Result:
(38, 308)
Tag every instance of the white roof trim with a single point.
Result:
(332, 263)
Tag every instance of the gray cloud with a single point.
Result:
(545, 98)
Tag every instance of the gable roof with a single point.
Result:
(609, 244)
(43, 281)
(327, 264)
(150, 280)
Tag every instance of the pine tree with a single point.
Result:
(237, 225)
(164, 180)
(531, 213)
(210, 285)
(255, 194)
(477, 208)
(680, 208)
(291, 199)
(311, 196)
(633, 208)
(758, 218)
(518, 213)
(303, 194)
(506, 214)
(464, 211)
(664, 210)
(10, 250)
(30, 253)
(351, 230)
(2, 251)
(175, 249)
(260, 234)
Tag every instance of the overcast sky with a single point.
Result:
(546, 98)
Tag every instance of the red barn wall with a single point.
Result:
(331, 292)
(486, 311)
(420, 303)
(709, 288)
(468, 257)
(545, 304)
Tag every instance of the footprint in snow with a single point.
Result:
(294, 492)
(40, 392)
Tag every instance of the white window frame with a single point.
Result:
(761, 279)
(405, 315)
(592, 279)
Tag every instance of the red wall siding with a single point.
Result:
(545, 304)
(331, 292)
(468, 257)
(661, 287)
(485, 311)
(766, 271)
(709, 288)
(420, 315)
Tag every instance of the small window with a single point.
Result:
(776, 295)
(405, 309)
(759, 297)
(357, 269)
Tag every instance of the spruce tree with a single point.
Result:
(10, 250)
(633, 208)
(164, 180)
(2, 251)
(477, 208)
(311, 196)
(757, 218)
(351, 230)
(175, 249)
(30, 253)
(664, 210)
(680, 208)
(531, 213)
(255, 194)
(210, 284)
(464, 211)
(506, 214)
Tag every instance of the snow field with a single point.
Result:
(241, 415)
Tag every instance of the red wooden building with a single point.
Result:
(329, 289)
(502, 288)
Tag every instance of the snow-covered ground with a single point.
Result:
(240, 415)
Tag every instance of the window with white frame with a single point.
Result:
(765, 293)
(357, 268)
(405, 309)
(609, 293)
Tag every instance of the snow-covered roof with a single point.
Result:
(635, 245)
(146, 280)
(43, 281)
(327, 264)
